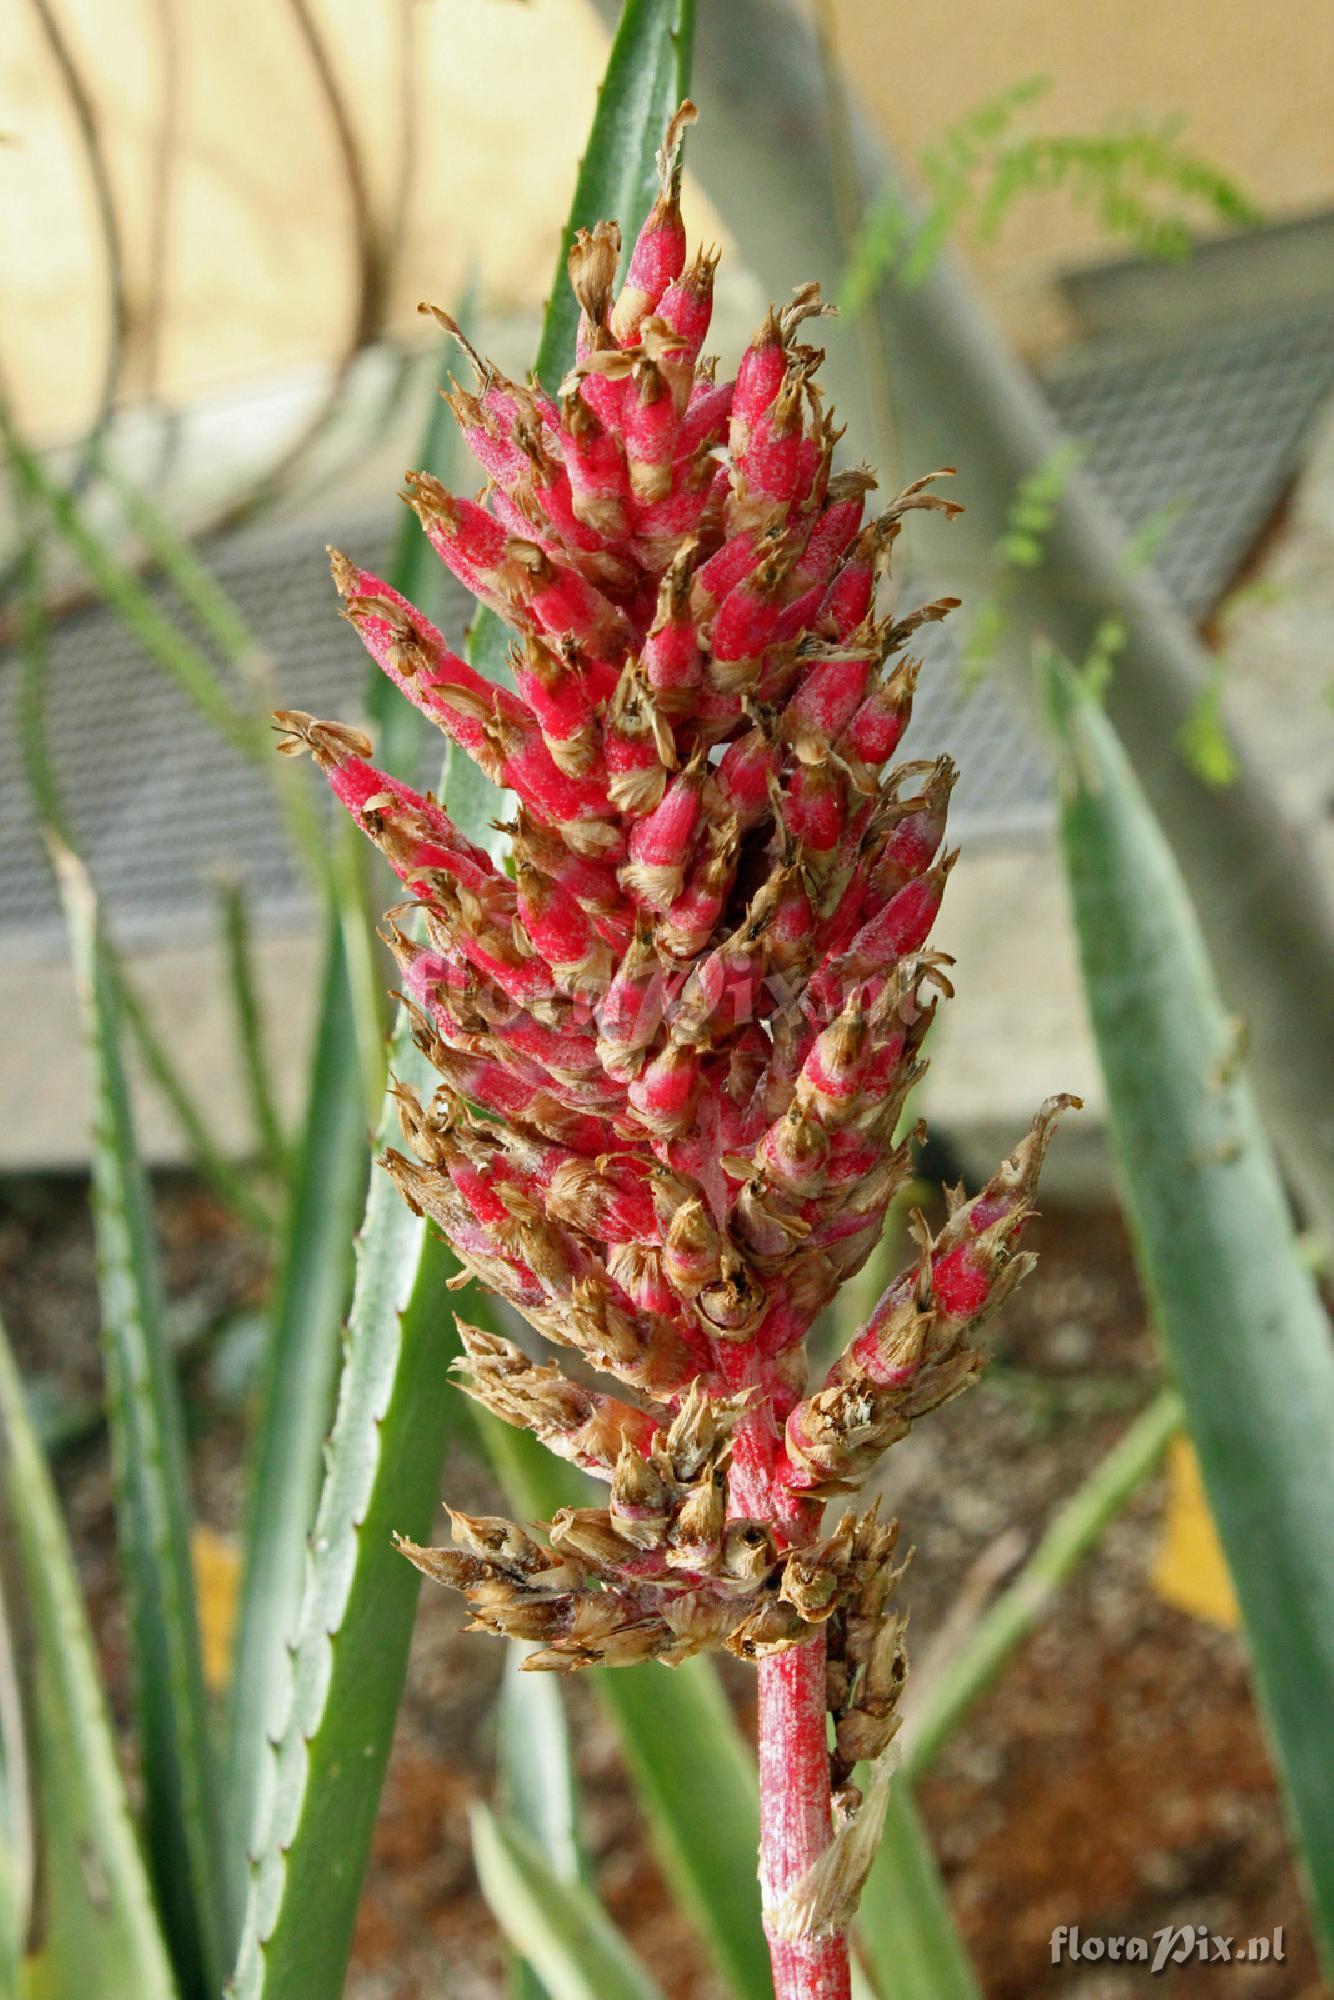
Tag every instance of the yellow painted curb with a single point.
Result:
(1190, 1571)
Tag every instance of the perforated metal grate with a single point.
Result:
(1212, 427)
(159, 804)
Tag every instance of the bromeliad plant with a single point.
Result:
(676, 1036)
(713, 1533)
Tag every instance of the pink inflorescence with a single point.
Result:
(676, 1037)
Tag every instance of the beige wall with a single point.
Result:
(259, 261)
(1254, 83)
(260, 256)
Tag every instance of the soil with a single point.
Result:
(1115, 1779)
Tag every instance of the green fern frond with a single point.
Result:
(1020, 549)
(1143, 184)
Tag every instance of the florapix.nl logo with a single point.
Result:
(1174, 1944)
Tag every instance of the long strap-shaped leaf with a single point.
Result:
(696, 1778)
(560, 1926)
(1232, 1299)
(181, 1803)
(329, 1193)
(91, 1929)
(301, 1366)
(648, 73)
(386, 1452)
(287, 1453)
(238, 942)
(317, 1808)
(537, 1788)
(904, 1924)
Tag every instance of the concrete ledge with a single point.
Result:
(1016, 1030)
(44, 1082)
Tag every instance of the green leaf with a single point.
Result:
(92, 1930)
(905, 1926)
(695, 1775)
(1233, 1301)
(287, 1455)
(321, 1787)
(401, 1278)
(227, 1180)
(536, 1768)
(152, 1493)
(297, 1397)
(352, 869)
(536, 1783)
(287, 1459)
(647, 74)
(248, 1016)
(559, 1926)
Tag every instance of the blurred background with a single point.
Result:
(216, 229)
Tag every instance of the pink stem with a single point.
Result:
(795, 1825)
(795, 1819)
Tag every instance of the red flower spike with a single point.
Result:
(875, 730)
(660, 843)
(595, 462)
(676, 1036)
(672, 661)
(686, 306)
(659, 254)
(649, 422)
(705, 421)
(464, 536)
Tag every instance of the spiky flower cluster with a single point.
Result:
(675, 1042)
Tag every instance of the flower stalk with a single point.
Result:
(795, 1815)
(675, 1038)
